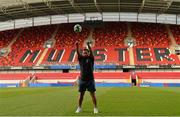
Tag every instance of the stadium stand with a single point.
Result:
(176, 33)
(13, 77)
(159, 79)
(158, 75)
(150, 34)
(6, 37)
(143, 78)
(34, 37)
(16, 76)
(107, 36)
(66, 37)
(63, 77)
(30, 38)
(110, 34)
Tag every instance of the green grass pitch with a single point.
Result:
(117, 101)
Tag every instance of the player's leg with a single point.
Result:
(91, 88)
(80, 100)
(82, 89)
(93, 96)
(81, 96)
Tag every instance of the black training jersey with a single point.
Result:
(86, 67)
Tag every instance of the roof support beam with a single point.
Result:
(142, 6)
(168, 5)
(97, 6)
(5, 13)
(119, 5)
(53, 8)
(76, 8)
(31, 11)
(25, 5)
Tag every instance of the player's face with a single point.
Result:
(85, 52)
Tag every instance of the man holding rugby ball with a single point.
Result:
(86, 79)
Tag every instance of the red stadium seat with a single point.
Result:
(176, 33)
(106, 35)
(6, 37)
(66, 37)
(150, 34)
(30, 38)
(110, 34)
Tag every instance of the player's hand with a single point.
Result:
(76, 43)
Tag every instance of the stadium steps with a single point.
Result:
(42, 56)
(53, 35)
(129, 30)
(131, 56)
(90, 38)
(8, 48)
(33, 79)
(15, 38)
(173, 42)
(26, 82)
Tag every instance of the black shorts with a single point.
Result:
(87, 85)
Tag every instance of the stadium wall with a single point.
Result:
(144, 79)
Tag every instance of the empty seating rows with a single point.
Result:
(14, 76)
(30, 38)
(158, 75)
(61, 77)
(97, 75)
(6, 37)
(105, 35)
(150, 34)
(51, 76)
(159, 78)
(153, 77)
(110, 34)
(66, 37)
(176, 33)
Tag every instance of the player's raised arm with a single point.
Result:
(77, 49)
(90, 50)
